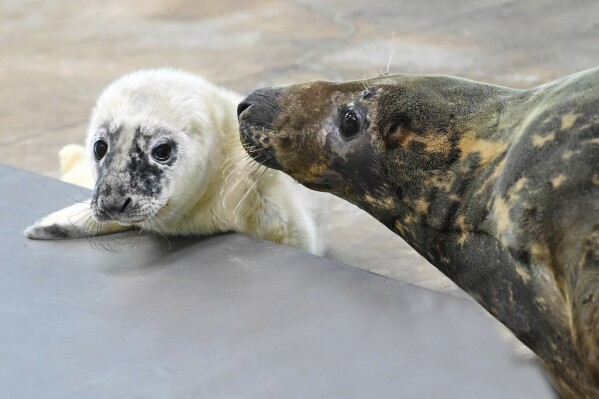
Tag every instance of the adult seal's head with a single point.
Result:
(496, 187)
(321, 135)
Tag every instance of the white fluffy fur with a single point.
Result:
(213, 187)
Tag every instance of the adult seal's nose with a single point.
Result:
(242, 107)
(260, 108)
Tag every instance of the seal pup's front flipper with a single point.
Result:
(75, 221)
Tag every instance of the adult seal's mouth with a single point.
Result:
(250, 139)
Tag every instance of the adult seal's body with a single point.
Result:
(496, 187)
(166, 157)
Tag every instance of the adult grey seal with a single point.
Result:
(496, 187)
(166, 157)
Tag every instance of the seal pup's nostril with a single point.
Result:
(242, 107)
(126, 204)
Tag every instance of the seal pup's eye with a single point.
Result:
(161, 152)
(350, 124)
(100, 148)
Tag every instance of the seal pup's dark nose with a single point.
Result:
(112, 207)
(260, 108)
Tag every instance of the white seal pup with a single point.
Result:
(165, 156)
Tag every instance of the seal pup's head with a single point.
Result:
(151, 142)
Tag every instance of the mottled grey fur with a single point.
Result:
(496, 187)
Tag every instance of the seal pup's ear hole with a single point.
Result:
(162, 152)
(100, 149)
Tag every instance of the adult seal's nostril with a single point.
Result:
(242, 107)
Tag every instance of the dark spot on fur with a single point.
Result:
(522, 256)
(56, 232)
(399, 192)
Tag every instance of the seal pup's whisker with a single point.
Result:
(236, 169)
(247, 192)
(255, 182)
(83, 223)
(84, 212)
(235, 156)
(80, 191)
(233, 162)
(171, 211)
(243, 173)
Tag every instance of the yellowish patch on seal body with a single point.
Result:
(568, 121)
(433, 143)
(540, 141)
(501, 215)
(523, 273)
(558, 180)
(487, 149)
(422, 206)
(461, 222)
(569, 154)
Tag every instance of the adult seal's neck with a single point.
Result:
(446, 143)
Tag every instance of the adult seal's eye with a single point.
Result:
(350, 124)
(100, 148)
(162, 152)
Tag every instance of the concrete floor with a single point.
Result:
(56, 56)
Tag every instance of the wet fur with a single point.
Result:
(496, 187)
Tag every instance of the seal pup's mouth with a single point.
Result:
(124, 220)
(126, 212)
